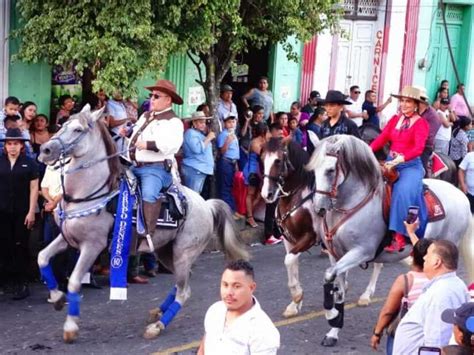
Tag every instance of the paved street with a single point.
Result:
(32, 326)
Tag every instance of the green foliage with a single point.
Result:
(115, 39)
(120, 40)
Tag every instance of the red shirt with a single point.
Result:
(408, 142)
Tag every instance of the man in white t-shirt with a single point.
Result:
(354, 111)
(237, 324)
(466, 176)
(443, 136)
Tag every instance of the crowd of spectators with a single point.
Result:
(235, 146)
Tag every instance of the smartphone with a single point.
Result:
(428, 350)
(412, 214)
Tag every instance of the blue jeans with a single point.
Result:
(193, 178)
(153, 178)
(225, 181)
(390, 340)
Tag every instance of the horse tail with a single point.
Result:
(467, 250)
(226, 230)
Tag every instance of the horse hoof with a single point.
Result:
(70, 336)
(329, 342)
(293, 309)
(154, 315)
(363, 302)
(153, 330)
(59, 304)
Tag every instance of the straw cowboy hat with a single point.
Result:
(413, 92)
(14, 134)
(168, 88)
(334, 97)
(198, 115)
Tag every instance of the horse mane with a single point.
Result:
(355, 158)
(297, 156)
(115, 167)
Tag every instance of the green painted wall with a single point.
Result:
(430, 35)
(28, 82)
(285, 76)
(183, 73)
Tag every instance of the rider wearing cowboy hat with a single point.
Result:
(157, 137)
(337, 122)
(407, 133)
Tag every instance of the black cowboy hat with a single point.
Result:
(14, 134)
(335, 97)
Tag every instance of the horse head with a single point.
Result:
(277, 166)
(336, 159)
(73, 139)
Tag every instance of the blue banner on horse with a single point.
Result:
(121, 243)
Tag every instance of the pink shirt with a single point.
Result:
(458, 105)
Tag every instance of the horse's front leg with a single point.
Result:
(89, 251)
(334, 292)
(364, 299)
(292, 269)
(57, 246)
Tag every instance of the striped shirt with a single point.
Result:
(419, 282)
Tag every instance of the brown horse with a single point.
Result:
(286, 181)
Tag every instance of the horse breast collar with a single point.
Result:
(150, 117)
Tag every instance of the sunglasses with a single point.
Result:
(156, 96)
(356, 92)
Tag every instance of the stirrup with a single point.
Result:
(150, 243)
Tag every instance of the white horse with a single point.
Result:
(85, 223)
(348, 203)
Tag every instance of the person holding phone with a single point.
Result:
(416, 281)
(407, 134)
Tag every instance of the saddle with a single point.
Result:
(434, 206)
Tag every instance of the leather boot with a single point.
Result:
(151, 211)
(398, 244)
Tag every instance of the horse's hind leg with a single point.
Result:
(364, 299)
(172, 305)
(156, 313)
(292, 268)
(44, 262)
(88, 254)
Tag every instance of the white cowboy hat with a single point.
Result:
(198, 115)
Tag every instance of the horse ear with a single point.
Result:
(313, 138)
(95, 115)
(86, 108)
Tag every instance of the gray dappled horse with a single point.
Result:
(84, 139)
(348, 203)
(287, 181)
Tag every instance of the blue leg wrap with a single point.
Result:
(170, 313)
(74, 300)
(48, 276)
(169, 299)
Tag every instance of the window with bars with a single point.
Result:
(361, 9)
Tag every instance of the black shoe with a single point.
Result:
(22, 291)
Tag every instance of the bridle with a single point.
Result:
(329, 233)
(332, 193)
(279, 179)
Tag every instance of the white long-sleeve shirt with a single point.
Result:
(167, 135)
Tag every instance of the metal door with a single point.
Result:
(440, 66)
(354, 52)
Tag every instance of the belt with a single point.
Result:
(233, 161)
(140, 165)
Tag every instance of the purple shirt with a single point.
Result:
(431, 116)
